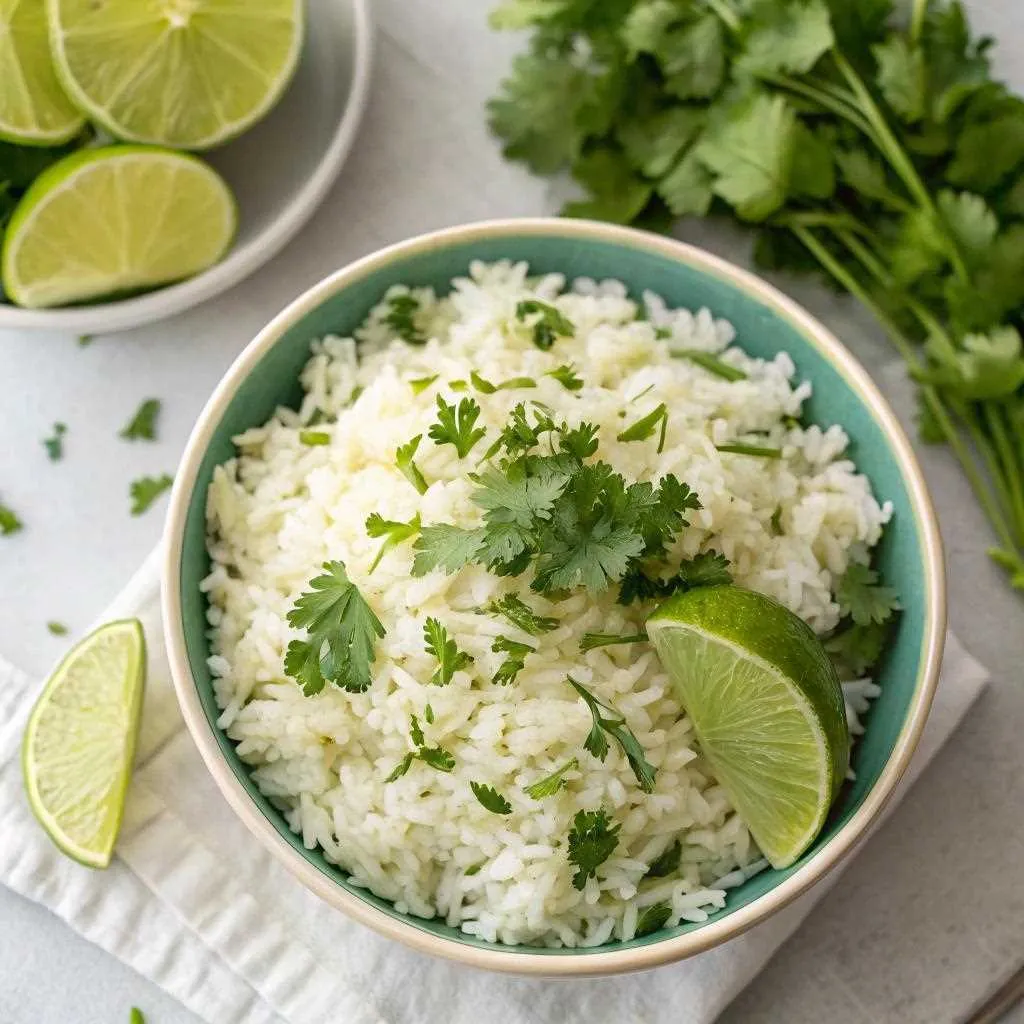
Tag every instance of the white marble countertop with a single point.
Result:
(933, 905)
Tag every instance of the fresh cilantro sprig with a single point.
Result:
(708, 569)
(869, 608)
(146, 489)
(449, 658)
(490, 798)
(142, 425)
(342, 631)
(393, 532)
(551, 784)
(887, 157)
(607, 720)
(515, 657)
(455, 425)
(592, 840)
(547, 323)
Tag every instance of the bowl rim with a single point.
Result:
(241, 261)
(590, 962)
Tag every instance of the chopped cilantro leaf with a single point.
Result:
(711, 363)
(653, 919)
(863, 598)
(135, 1017)
(401, 318)
(549, 325)
(57, 628)
(592, 840)
(755, 450)
(420, 384)
(9, 522)
(395, 533)
(592, 640)
(516, 653)
(645, 427)
(437, 757)
(142, 425)
(54, 445)
(485, 387)
(449, 658)
(342, 630)
(428, 714)
(455, 425)
(490, 798)
(551, 784)
(314, 438)
(85, 340)
(614, 724)
(146, 490)
(401, 768)
(415, 731)
(519, 613)
(474, 869)
(666, 863)
(404, 460)
(707, 569)
(567, 377)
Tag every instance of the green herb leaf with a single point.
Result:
(513, 664)
(566, 376)
(342, 630)
(57, 628)
(667, 862)
(445, 547)
(9, 522)
(142, 425)
(592, 640)
(709, 362)
(519, 613)
(428, 714)
(485, 387)
(473, 869)
(653, 919)
(551, 784)
(454, 426)
(902, 77)
(449, 658)
(548, 323)
(855, 649)
(404, 460)
(401, 768)
(54, 444)
(987, 366)
(314, 438)
(395, 533)
(863, 598)
(786, 37)
(415, 731)
(754, 450)
(686, 188)
(146, 490)
(403, 310)
(644, 428)
(592, 840)
(437, 757)
(614, 724)
(135, 1017)
(490, 798)
(420, 384)
(616, 193)
(707, 569)
(692, 58)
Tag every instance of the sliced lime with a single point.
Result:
(34, 109)
(115, 220)
(766, 706)
(80, 740)
(182, 73)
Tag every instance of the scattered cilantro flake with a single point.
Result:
(401, 318)
(445, 547)
(342, 631)
(653, 919)
(709, 362)
(863, 598)
(401, 768)
(666, 863)
(592, 840)
(567, 377)
(519, 613)
(550, 324)
(551, 784)
(136, 1017)
(593, 640)
(490, 798)
(9, 522)
(645, 427)
(57, 628)
(395, 533)
(142, 425)
(614, 724)
(474, 869)
(84, 340)
(146, 490)
(455, 425)
(428, 714)
(449, 658)
(776, 522)
(314, 438)
(516, 653)
(755, 450)
(485, 387)
(404, 460)
(420, 384)
(54, 445)
(415, 731)
(458, 385)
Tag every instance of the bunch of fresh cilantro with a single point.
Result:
(880, 152)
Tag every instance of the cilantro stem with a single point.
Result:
(917, 16)
(725, 14)
(1011, 466)
(842, 107)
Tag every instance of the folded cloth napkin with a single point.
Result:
(194, 903)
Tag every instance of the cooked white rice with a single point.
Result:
(280, 509)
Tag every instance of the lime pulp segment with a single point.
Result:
(80, 740)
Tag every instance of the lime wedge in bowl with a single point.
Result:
(766, 706)
(34, 109)
(80, 740)
(118, 219)
(182, 73)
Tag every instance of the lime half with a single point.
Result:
(115, 220)
(182, 73)
(80, 741)
(34, 109)
(766, 706)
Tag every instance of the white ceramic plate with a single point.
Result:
(280, 172)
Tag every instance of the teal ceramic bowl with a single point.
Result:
(265, 375)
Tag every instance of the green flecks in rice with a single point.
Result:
(789, 527)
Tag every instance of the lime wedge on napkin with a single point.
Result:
(115, 220)
(766, 706)
(80, 740)
(182, 73)
(34, 109)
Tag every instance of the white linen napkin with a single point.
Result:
(196, 905)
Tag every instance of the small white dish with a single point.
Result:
(280, 172)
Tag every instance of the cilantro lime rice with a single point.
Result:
(434, 669)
